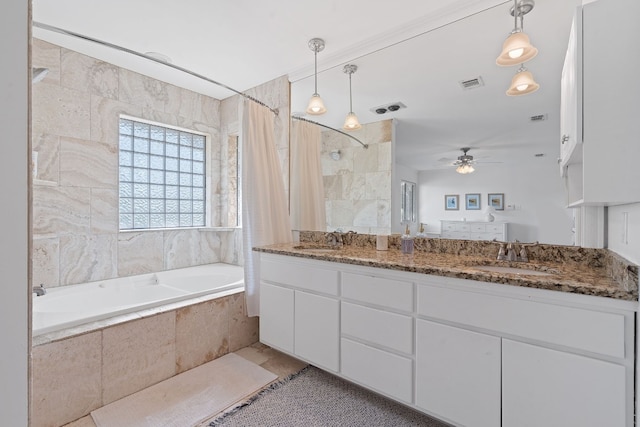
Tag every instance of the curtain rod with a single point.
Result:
(329, 127)
(150, 58)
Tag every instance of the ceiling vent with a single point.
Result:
(538, 118)
(471, 83)
(391, 107)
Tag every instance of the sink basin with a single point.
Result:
(511, 270)
(317, 248)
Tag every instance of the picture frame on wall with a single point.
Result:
(496, 201)
(451, 202)
(472, 201)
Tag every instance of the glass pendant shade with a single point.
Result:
(316, 105)
(465, 168)
(516, 50)
(351, 122)
(522, 83)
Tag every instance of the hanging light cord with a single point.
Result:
(329, 127)
(350, 95)
(150, 58)
(315, 67)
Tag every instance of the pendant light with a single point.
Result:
(351, 122)
(522, 83)
(517, 48)
(316, 106)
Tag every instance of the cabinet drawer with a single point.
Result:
(462, 227)
(377, 290)
(448, 226)
(382, 371)
(495, 228)
(300, 275)
(378, 327)
(478, 228)
(588, 330)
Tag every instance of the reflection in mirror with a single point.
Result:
(357, 182)
(513, 153)
(408, 201)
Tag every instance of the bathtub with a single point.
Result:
(67, 306)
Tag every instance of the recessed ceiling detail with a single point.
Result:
(391, 107)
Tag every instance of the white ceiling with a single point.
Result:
(412, 51)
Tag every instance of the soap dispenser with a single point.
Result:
(407, 242)
(421, 232)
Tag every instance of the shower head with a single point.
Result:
(38, 74)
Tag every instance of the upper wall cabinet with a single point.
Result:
(599, 144)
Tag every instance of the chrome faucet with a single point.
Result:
(347, 237)
(334, 239)
(501, 255)
(39, 290)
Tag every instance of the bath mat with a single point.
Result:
(188, 398)
(314, 398)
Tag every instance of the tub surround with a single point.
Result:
(575, 270)
(80, 369)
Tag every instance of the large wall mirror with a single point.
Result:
(451, 95)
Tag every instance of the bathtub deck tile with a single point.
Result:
(137, 354)
(202, 333)
(66, 379)
(243, 330)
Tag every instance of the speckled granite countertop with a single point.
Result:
(565, 277)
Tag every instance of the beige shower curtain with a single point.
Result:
(265, 217)
(307, 189)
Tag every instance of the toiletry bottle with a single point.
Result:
(421, 232)
(406, 242)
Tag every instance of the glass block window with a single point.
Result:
(162, 177)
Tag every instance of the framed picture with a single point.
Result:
(472, 202)
(451, 202)
(496, 201)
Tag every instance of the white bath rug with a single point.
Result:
(188, 398)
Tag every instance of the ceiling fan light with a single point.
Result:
(465, 168)
(522, 84)
(351, 122)
(516, 49)
(316, 105)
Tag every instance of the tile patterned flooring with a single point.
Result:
(260, 354)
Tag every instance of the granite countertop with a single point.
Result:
(564, 277)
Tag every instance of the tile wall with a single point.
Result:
(358, 186)
(75, 199)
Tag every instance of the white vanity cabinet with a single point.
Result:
(458, 374)
(545, 387)
(299, 310)
(377, 333)
(474, 230)
(467, 352)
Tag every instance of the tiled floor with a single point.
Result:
(260, 354)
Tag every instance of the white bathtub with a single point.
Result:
(67, 306)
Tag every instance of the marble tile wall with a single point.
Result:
(358, 185)
(75, 375)
(75, 197)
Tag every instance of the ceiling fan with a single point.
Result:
(464, 164)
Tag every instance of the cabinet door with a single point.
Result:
(276, 317)
(317, 329)
(543, 387)
(458, 374)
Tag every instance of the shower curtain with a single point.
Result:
(307, 189)
(265, 217)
